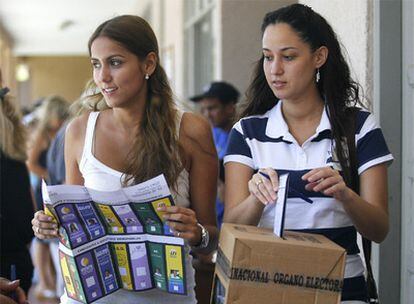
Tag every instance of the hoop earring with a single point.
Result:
(147, 76)
(318, 75)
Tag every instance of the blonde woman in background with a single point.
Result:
(16, 208)
(51, 115)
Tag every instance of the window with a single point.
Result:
(199, 45)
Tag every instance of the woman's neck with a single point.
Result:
(302, 111)
(128, 119)
(303, 117)
(306, 108)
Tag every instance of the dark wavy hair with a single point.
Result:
(335, 86)
(156, 148)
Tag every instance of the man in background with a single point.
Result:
(218, 104)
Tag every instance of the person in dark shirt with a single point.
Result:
(16, 203)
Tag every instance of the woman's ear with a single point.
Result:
(150, 63)
(321, 55)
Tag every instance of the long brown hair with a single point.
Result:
(156, 148)
(12, 131)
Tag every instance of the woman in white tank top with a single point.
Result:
(137, 135)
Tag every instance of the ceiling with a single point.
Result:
(58, 27)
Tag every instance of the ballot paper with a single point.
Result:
(116, 239)
(280, 207)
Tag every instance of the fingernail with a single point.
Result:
(49, 218)
(54, 225)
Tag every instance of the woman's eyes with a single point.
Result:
(115, 62)
(288, 58)
(112, 62)
(285, 57)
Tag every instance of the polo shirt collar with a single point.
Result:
(277, 127)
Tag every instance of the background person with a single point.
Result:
(16, 207)
(51, 114)
(135, 98)
(218, 104)
(294, 121)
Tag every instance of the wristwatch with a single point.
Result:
(205, 237)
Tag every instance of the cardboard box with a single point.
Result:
(255, 266)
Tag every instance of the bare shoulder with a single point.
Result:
(196, 137)
(195, 127)
(75, 136)
(76, 128)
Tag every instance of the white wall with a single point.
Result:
(241, 37)
(352, 20)
(166, 19)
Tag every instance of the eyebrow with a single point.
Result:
(110, 57)
(283, 49)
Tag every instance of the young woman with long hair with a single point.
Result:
(296, 119)
(138, 133)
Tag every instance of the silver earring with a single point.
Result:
(147, 76)
(318, 76)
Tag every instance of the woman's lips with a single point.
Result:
(278, 84)
(109, 91)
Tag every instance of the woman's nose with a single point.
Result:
(105, 74)
(277, 67)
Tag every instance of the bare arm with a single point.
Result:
(369, 210)
(33, 156)
(202, 163)
(203, 175)
(241, 207)
(74, 139)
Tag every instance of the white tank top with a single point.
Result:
(99, 176)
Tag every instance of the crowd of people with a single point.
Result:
(295, 118)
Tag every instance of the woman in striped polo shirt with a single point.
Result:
(295, 119)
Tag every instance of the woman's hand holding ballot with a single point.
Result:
(328, 181)
(264, 185)
(43, 226)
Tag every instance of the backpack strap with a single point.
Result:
(353, 162)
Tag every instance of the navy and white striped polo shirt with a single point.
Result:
(264, 141)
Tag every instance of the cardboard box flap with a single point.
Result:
(250, 232)
(246, 232)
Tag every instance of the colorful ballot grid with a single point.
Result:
(87, 221)
(109, 247)
(133, 266)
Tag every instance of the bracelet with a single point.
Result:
(205, 238)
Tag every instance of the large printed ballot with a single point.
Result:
(114, 240)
